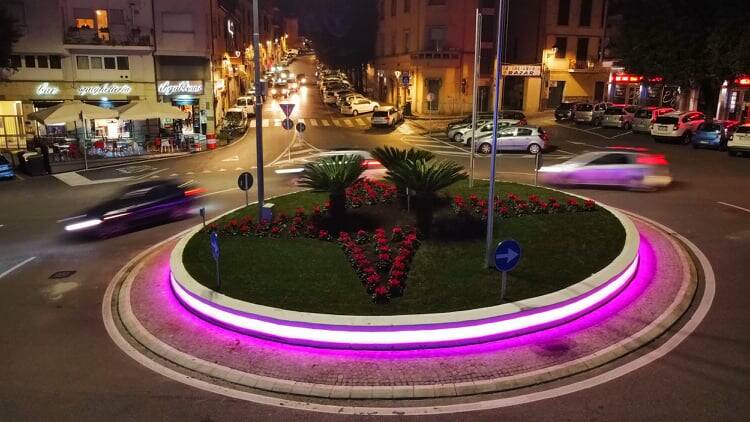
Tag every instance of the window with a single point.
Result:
(82, 62)
(29, 61)
(394, 6)
(406, 41)
(15, 61)
(177, 22)
(123, 63)
(524, 132)
(116, 17)
(563, 12)
(42, 62)
(16, 11)
(407, 6)
(109, 63)
(54, 62)
(610, 159)
(436, 2)
(585, 18)
(436, 35)
(582, 49)
(84, 18)
(562, 47)
(96, 62)
(486, 61)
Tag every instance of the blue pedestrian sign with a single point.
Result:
(215, 245)
(405, 78)
(507, 255)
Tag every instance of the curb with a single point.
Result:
(116, 303)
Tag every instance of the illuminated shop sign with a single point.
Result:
(522, 70)
(105, 89)
(230, 27)
(743, 81)
(45, 88)
(180, 87)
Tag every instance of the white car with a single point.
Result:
(677, 126)
(329, 97)
(247, 103)
(348, 98)
(372, 167)
(619, 117)
(739, 141)
(356, 106)
(387, 117)
(610, 168)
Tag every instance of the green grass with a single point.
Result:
(314, 276)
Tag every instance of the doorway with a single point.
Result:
(556, 89)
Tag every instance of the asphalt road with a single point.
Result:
(59, 363)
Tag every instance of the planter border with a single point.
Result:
(408, 331)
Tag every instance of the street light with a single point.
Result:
(397, 87)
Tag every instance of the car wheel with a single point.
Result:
(485, 148)
(355, 113)
(627, 126)
(458, 137)
(687, 137)
(534, 149)
(374, 109)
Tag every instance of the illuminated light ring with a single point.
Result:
(407, 336)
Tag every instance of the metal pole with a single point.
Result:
(258, 109)
(218, 279)
(85, 134)
(503, 283)
(493, 158)
(536, 170)
(475, 89)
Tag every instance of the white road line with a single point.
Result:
(564, 152)
(252, 123)
(19, 177)
(622, 134)
(348, 123)
(585, 144)
(360, 122)
(2, 225)
(17, 266)
(62, 220)
(733, 206)
(156, 176)
(206, 171)
(584, 131)
(238, 169)
(222, 169)
(173, 175)
(313, 122)
(190, 172)
(326, 123)
(265, 122)
(337, 123)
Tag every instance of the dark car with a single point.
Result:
(565, 111)
(138, 205)
(6, 170)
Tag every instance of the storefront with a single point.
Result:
(186, 95)
(734, 100)
(637, 90)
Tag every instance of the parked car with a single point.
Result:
(619, 116)
(633, 170)
(714, 133)
(645, 116)
(565, 111)
(484, 128)
(676, 126)
(355, 106)
(235, 118)
(329, 96)
(387, 117)
(590, 113)
(515, 138)
(247, 103)
(739, 141)
(348, 98)
(6, 169)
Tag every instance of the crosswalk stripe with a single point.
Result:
(173, 175)
(300, 120)
(348, 123)
(222, 169)
(190, 172)
(238, 169)
(277, 122)
(360, 122)
(206, 171)
(303, 151)
(252, 123)
(265, 122)
(337, 123)
(313, 122)
(326, 123)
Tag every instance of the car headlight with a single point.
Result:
(83, 224)
(273, 90)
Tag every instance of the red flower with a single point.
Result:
(394, 282)
(399, 265)
(384, 257)
(275, 229)
(572, 202)
(369, 270)
(555, 205)
(373, 279)
(589, 204)
(396, 230)
(381, 291)
(323, 234)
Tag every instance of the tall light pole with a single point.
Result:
(475, 90)
(493, 159)
(258, 111)
(397, 86)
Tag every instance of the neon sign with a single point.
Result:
(105, 89)
(45, 88)
(230, 27)
(180, 87)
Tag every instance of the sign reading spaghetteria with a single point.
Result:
(105, 89)
(180, 87)
(522, 70)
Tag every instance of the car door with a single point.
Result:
(522, 140)
(505, 139)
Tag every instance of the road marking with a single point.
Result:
(313, 122)
(17, 266)
(252, 124)
(733, 206)
(156, 176)
(337, 123)
(360, 122)
(326, 123)
(72, 178)
(173, 175)
(232, 158)
(564, 152)
(277, 122)
(583, 130)
(585, 144)
(62, 220)
(222, 169)
(151, 174)
(622, 134)
(348, 123)
(19, 177)
(190, 172)
(206, 171)
(238, 169)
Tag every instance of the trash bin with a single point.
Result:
(211, 141)
(407, 108)
(34, 164)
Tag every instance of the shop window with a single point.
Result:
(29, 61)
(42, 62)
(123, 63)
(82, 62)
(15, 61)
(116, 17)
(55, 62)
(96, 62)
(562, 47)
(109, 63)
(563, 12)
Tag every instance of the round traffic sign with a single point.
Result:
(507, 255)
(431, 97)
(245, 181)
(287, 124)
(300, 127)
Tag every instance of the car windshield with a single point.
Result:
(3, 161)
(585, 107)
(643, 114)
(614, 111)
(709, 127)
(233, 116)
(380, 114)
(565, 106)
(667, 120)
(743, 129)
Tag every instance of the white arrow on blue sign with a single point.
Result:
(507, 255)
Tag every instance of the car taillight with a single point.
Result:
(194, 191)
(371, 164)
(652, 159)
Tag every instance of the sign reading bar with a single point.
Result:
(105, 89)
(45, 88)
(180, 87)
(522, 70)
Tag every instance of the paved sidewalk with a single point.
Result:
(656, 298)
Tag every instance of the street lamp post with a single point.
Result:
(258, 112)
(397, 87)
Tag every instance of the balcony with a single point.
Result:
(589, 65)
(437, 58)
(118, 35)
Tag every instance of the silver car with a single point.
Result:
(515, 138)
(591, 113)
(644, 116)
(484, 128)
(619, 117)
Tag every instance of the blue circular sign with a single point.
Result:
(507, 255)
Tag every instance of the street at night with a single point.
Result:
(629, 301)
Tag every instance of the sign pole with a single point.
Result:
(218, 278)
(475, 90)
(536, 170)
(258, 108)
(503, 284)
(493, 158)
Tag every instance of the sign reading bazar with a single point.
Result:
(105, 89)
(522, 70)
(180, 87)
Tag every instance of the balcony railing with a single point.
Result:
(586, 65)
(435, 55)
(125, 36)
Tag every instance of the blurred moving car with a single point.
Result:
(739, 141)
(632, 170)
(565, 111)
(355, 106)
(590, 113)
(714, 133)
(676, 126)
(136, 206)
(644, 116)
(280, 89)
(373, 169)
(301, 79)
(387, 117)
(534, 140)
(6, 170)
(619, 117)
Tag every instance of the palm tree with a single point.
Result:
(334, 175)
(390, 155)
(425, 179)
